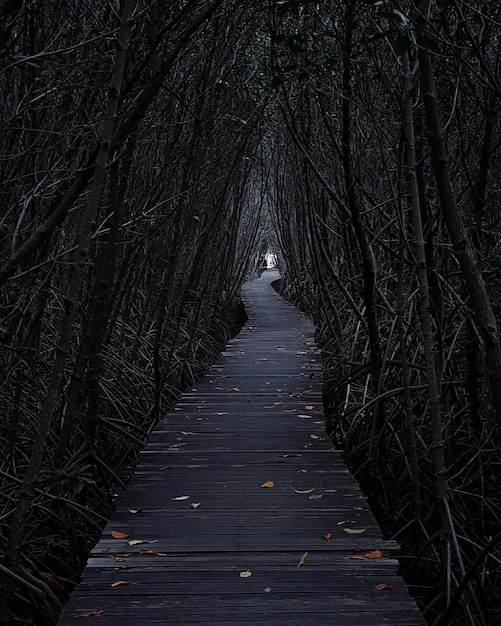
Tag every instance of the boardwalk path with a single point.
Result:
(255, 418)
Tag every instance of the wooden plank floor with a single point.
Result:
(206, 542)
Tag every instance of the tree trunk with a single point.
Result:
(478, 297)
(369, 267)
(439, 465)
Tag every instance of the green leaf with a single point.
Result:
(419, 9)
(429, 43)
(390, 15)
(401, 45)
(278, 38)
(378, 36)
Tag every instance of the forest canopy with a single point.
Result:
(152, 153)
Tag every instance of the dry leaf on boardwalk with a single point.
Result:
(96, 613)
(245, 574)
(148, 551)
(268, 484)
(354, 531)
(180, 498)
(303, 559)
(302, 491)
(175, 446)
(267, 590)
(327, 536)
(384, 587)
(116, 534)
(121, 583)
(372, 554)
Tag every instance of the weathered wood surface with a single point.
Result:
(256, 417)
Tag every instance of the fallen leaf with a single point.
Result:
(268, 484)
(312, 436)
(137, 542)
(308, 407)
(327, 536)
(121, 583)
(236, 389)
(245, 574)
(304, 417)
(267, 590)
(315, 497)
(148, 551)
(289, 456)
(373, 554)
(354, 531)
(118, 535)
(303, 558)
(303, 491)
(95, 613)
(194, 505)
(115, 557)
(179, 498)
(384, 587)
(303, 471)
(135, 511)
(166, 467)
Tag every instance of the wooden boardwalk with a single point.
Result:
(240, 511)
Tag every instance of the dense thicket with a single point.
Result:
(131, 214)
(390, 237)
(142, 144)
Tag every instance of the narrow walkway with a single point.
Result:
(240, 512)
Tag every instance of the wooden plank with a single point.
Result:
(255, 417)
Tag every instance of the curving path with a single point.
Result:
(240, 511)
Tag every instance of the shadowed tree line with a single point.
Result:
(390, 238)
(150, 153)
(131, 214)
